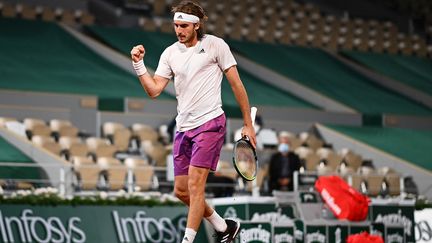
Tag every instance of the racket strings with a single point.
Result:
(245, 159)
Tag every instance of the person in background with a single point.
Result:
(282, 165)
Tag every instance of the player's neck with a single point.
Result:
(191, 43)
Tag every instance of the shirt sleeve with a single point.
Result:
(164, 69)
(224, 57)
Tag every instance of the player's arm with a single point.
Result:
(152, 85)
(240, 94)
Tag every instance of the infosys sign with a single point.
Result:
(93, 224)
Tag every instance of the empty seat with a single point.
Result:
(121, 139)
(156, 151)
(63, 128)
(144, 132)
(100, 147)
(303, 152)
(68, 17)
(87, 173)
(144, 177)
(374, 183)
(109, 128)
(116, 172)
(312, 161)
(47, 143)
(8, 10)
(87, 19)
(28, 12)
(73, 147)
(48, 14)
(31, 122)
(394, 185)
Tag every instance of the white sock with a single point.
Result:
(189, 235)
(217, 221)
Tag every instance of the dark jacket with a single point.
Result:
(277, 170)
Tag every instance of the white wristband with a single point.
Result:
(139, 67)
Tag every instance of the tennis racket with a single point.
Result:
(244, 156)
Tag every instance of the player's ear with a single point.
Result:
(196, 26)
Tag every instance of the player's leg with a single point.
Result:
(181, 191)
(196, 184)
(207, 143)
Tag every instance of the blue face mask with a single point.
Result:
(283, 148)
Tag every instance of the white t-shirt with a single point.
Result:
(198, 73)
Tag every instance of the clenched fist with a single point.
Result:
(137, 53)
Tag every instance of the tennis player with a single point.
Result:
(197, 62)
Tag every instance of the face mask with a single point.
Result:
(283, 148)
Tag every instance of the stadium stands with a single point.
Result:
(46, 13)
(410, 145)
(316, 69)
(75, 68)
(412, 71)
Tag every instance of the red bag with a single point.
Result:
(344, 201)
(364, 237)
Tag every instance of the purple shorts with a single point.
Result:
(200, 146)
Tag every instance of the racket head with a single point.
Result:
(245, 160)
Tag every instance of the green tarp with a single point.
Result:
(319, 71)
(40, 56)
(10, 154)
(411, 145)
(410, 70)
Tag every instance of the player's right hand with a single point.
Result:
(137, 53)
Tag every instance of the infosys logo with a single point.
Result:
(31, 228)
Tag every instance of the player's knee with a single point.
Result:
(195, 187)
(181, 194)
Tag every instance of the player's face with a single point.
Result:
(185, 32)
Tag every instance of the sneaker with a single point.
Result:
(230, 233)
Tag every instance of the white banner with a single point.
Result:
(423, 228)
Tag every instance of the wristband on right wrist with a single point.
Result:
(139, 67)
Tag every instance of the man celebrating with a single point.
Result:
(197, 62)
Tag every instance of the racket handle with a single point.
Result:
(253, 114)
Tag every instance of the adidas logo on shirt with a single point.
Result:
(202, 51)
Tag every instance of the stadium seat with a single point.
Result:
(87, 173)
(156, 151)
(116, 172)
(109, 128)
(8, 10)
(48, 14)
(142, 172)
(121, 139)
(47, 143)
(144, 132)
(73, 147)
(28, 12)
(374, 183)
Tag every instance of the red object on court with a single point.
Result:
(364, 237)
(343, 200)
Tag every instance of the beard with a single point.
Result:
(186, 38)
